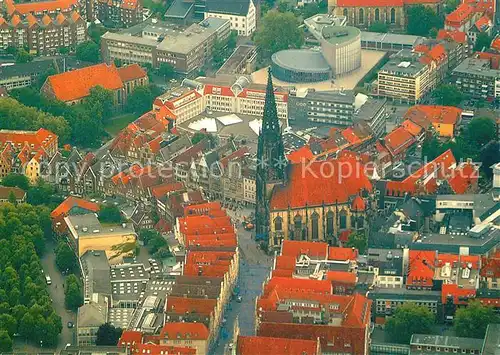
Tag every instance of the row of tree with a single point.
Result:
(409, 319)
(25, 306)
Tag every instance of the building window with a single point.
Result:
(343, 219)
(345, 13)
(393, 15)
(377, 15)
(314, 225)
(278, 223)
(297, 226)
(329, 223)
(361, 19)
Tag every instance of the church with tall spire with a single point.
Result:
(271, 162)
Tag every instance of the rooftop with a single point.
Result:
(230, 7)
(405, 63)
(305, 60)
(391, 38)
(87, 225)
(479, 67)
(339, 34)
(447, 341)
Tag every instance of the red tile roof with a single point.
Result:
(491, 266)
(496, 44)
(76, 84)
(343, 254)
(344, 235)
(130, 337)
(303, 285)
(254, 345)
(341, 276)
(460, 295)
(56, 5)
(295, 248)
(71, 202)
(461, 14)
(412, 127)
(35, 139)
(358, 204)
(178, 330)
(435, 114)
(162, 190)
(285, 262)
(463, 178)
(365, 3)
(322, 182)
(421, 268)
(398, 140)
(163, 226)
(483, 23)
(6, 191)
(218, 90)
(181, 305)
(456, 36)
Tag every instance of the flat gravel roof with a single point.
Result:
(339, 34)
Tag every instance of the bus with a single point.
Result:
(48, 280)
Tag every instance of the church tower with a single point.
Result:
(271, 162)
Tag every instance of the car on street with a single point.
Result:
(70, 325)
(239, 299)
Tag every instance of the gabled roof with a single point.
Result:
(76, 84)
(295, 248)
(181, 305)
(461, 14)
(131, 72)
(398, 140)
(230, 7)
(40, 6)
(313, 187)
(435, 113)
(130, 337)
(456, 36)
(358, 204)
(162, 190)
(71, 202)
(342, 254)
(460, 295)
(341, 276)
(6, 191)
(463, 177)
(255, 345)
(185, 331)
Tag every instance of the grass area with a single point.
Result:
(117, 123)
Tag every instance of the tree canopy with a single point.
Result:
(88, 52)
(26, 307)
(409, 319)
(110, 214)
(107, 334)
(473, 320)
(65, 257)
(16, 180)
(278, 31)
(141, 99)
(358, 240)
(73, 293)
(447, 95)
(23, 56)
(421, 19)
(99, 103)
(483, 41)
(17, 116)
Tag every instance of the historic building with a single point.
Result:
(271, 161)
(363, 13)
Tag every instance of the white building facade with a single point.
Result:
(242, 16)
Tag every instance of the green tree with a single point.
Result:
(41, 193)
(5, 342)
(358, 240)
(12, 198)
(409, 319)
(16, 180)
(107, 334)
(118, 62)
(110, 214)
(99, 103)
(451, 5)
(23, 56)
(18, 116)
(471, 322)
(481, 131)
(8, 323)
(483, 42)
(278, 31)
(421, 19)
(378, 26)
(65, 257)
(447, 95)
(140, 100)
(166, 70)
(73, 293)
(88, 52)
(95, 33)
(64, 50)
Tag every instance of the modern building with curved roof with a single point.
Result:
(300, 65)
(340, 52)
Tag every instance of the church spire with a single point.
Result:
(271, 161)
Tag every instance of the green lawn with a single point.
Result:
(117, 123)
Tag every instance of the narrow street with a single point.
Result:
(56, 291)
(255, 267)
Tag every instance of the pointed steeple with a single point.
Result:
(270, 120)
